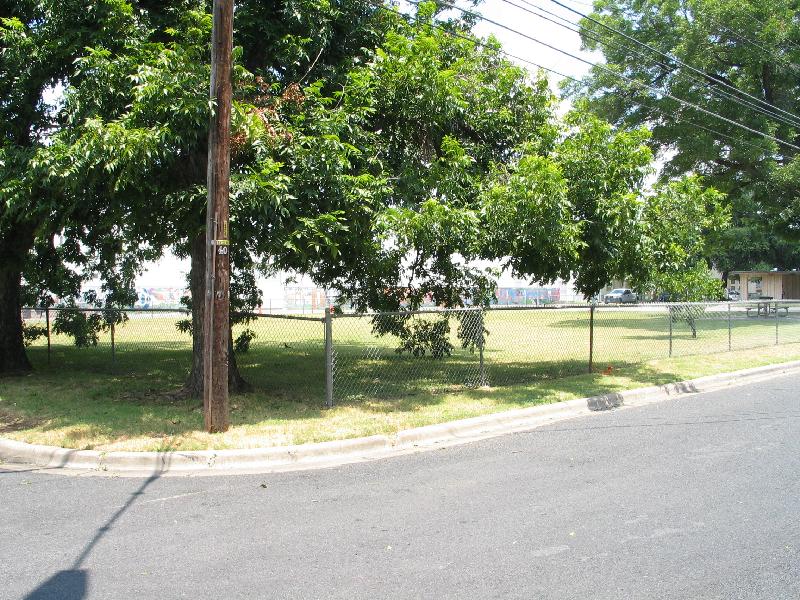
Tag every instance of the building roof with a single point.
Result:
(794, 272)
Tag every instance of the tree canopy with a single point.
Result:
(39, 44)
(380, 155)
(680, 221)
(739, 59)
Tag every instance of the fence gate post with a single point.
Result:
(591, 338)
(776, 323)
(729, 327)
(670, 329)
(47, 322)
(329, 357)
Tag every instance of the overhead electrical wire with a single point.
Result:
(763, 24)
(581, 30)
(675, 59)
(743, 38)
(748, 40)
(478, 43)
(704, 127)
(588, 4)
(619, 75)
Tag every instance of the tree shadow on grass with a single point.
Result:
(134, 398)
(515, 383)
(89, 400)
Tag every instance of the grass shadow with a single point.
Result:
(82, 398)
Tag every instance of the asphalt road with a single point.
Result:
(693, 498)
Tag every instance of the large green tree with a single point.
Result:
(380, 155)
(730, 45)
(39, 44)
(330, 176)
(136, 127)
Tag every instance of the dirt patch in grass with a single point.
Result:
(11, 422)
(159, 397)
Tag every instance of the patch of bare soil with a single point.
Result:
(157, 396)
(10, 421)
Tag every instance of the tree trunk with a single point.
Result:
(197, 284)
(13, 358)
(13, 250)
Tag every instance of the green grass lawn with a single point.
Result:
(83, 399)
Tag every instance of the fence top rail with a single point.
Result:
(182, 311)
(438, 311)
(402, 313)
(550, 307)
(709, 303)
(107, 309)
(285, 317)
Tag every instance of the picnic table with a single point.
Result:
(767, 306)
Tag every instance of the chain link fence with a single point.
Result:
(524, 345)
(356, 358)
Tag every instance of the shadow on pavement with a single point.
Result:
(73, 583)
(65, 585)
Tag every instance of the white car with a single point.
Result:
(620, 296)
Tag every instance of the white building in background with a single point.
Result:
(163, 283)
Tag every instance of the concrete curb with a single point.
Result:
(328, 454)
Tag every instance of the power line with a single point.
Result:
(763, 24)
(581, 30)
(741, 37)
(589, 4)
(481, 44)
(616, 74)
(477, 42)
(675, 59)
(706, 128)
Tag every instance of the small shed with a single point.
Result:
(753, 285)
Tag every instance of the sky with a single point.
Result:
(517, 18)
(169, 271)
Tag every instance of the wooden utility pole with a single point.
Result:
(216, 316)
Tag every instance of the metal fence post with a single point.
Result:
(729, 327)
(47, 321)
(591, 338)
(329, 357)
(113, 341)
(481, 344)
(776, 323)
(670, 329)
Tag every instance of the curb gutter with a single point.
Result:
(335, 453)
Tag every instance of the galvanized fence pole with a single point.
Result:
(776, 323)
(481, 344)
(670, 307)
(113, 341)
(329, 357)
(729, 327)
(47, 322)
(591, 338)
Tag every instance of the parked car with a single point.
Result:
(620, 296)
